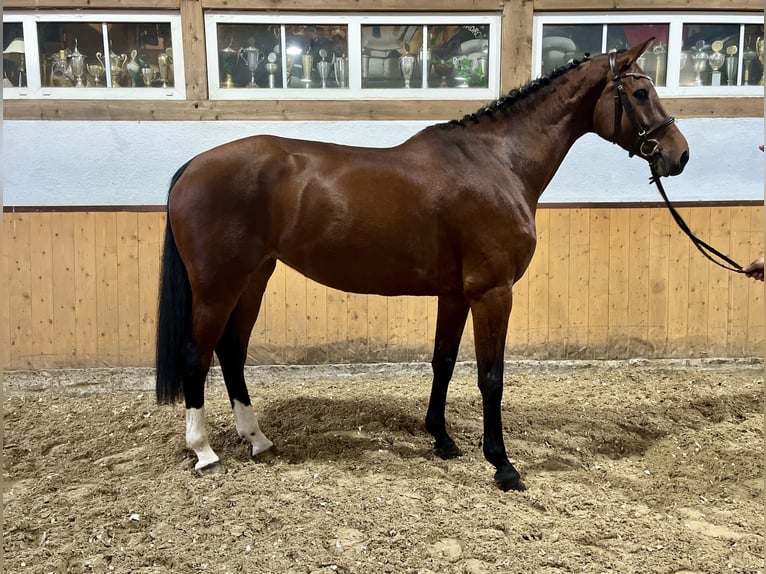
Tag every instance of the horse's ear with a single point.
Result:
(632, 54)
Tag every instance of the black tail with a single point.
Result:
(174, 317)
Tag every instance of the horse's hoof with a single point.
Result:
(211, 469)
(509, 479)
(447, 450)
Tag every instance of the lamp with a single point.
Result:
(17, 47)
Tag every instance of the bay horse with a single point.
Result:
(448, 213)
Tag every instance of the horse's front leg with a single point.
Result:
(491, 312)
(450, 321)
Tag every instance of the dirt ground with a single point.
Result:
(630, 467)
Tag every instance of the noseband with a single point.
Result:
(647, 148)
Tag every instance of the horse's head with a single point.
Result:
(630, 114)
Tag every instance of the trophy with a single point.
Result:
(699, 61)
(271, 68)
(747, 61)
(365, 69)
(307, 60)
(407, 65)
(227, 59)
(717, 60)
(115, 66)
(323, 67)
(147, 74)
(288, 69)
(731, 65)
(77, 61)
(252, 56)
(660, 51)
(759, 51)
(163, 63)
(96, 71)
(340, 66)
(443, 68)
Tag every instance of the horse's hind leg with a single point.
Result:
(232, 354)
(450, 321)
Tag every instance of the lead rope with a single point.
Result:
(706, 249)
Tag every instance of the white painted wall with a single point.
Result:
(80, 163)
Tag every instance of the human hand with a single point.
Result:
(755, 269)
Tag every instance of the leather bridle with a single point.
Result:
(647, 147)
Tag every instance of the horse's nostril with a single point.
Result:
(684, 159)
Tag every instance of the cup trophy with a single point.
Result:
(340, 65)
(747, 62)
(252, 56)
(443, 68)
(716, 60)
(227, 59)
(164, 60)
(96, 72)
(699, 61)
(407, 66)
(271, 68)
(307, 60)
(759, 52)
(147, 75)
(77, 61)
(323, 67)
(115, 66)
(661, 53)
(731, 65)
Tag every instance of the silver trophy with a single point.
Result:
(699, 60)
(407, 65)
(340, 66)
(164, 60)
(271, 68)
(252, 56)
(307, 60)
(731, 65)
(747, 62)
(323, 67)
(133, 68)
(77, 61)
(147, 74)
(759, 49)
(365, 69)
(96, 72)
(660, 51)
(716, 60)
(115, 66)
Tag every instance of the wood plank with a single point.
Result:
(417, 329)
(515, 50)
(678, 279)
(107, 291)
(699, 281)
(20, 292)
(86, 333)
(579, 282)
(619, 280)
(558, 283)
(377, 334)
(151, 234)
(397, 329)
(357, 323)
(195, 58)
(606, 5)
(739, 293)
(638, 283)
(337, 325)
(346, 5)
(756, 314)
(316, 323)
(5, 278)
(64, 295)
(659, 270)
(128, 289)
(296, 320)
(539, 287)
(719, 284)
(273, 309)
(517, 342)
(43, 327)
(598, 283)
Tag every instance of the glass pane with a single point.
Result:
(459, 56)
(563, 43)
(71, 54)
(249, 56)
(752, 58)
(392, 56)
(14, 68)
(654, 60)
(317, 56)
(709, 55)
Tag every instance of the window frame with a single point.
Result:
(35, 89)
(354, 22)
(675, 22)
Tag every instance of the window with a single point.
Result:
(266, 56)
(93, 55)
(692, 54)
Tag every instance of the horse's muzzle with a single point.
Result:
(666, 166)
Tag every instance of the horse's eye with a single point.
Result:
(641, 94)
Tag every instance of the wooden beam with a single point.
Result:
(644, 6)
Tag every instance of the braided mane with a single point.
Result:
(504, 103)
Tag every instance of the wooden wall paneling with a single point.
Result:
(296, 317)
(316, 323)
(516, 41)
(337, 326)
(739, 296)
(558, 281)
(397, 329)
(538, 273)
(195, 59)
(619, 284)
(678, 277)
(606, 5)
(720, 283)
(756, 292)
(598, 282)
(518, 327)
(5, 279)
(638, 282)
(43, 330)
(699, 281)
(579, 282)
(377, 334)
(20, 290)
(151, 235)
(107, 293)
(658, 270)
(417, 329)
(273, 311)
(345, 5)
(64, 294)
(357, 323)
(128, 289)
(86, 334)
